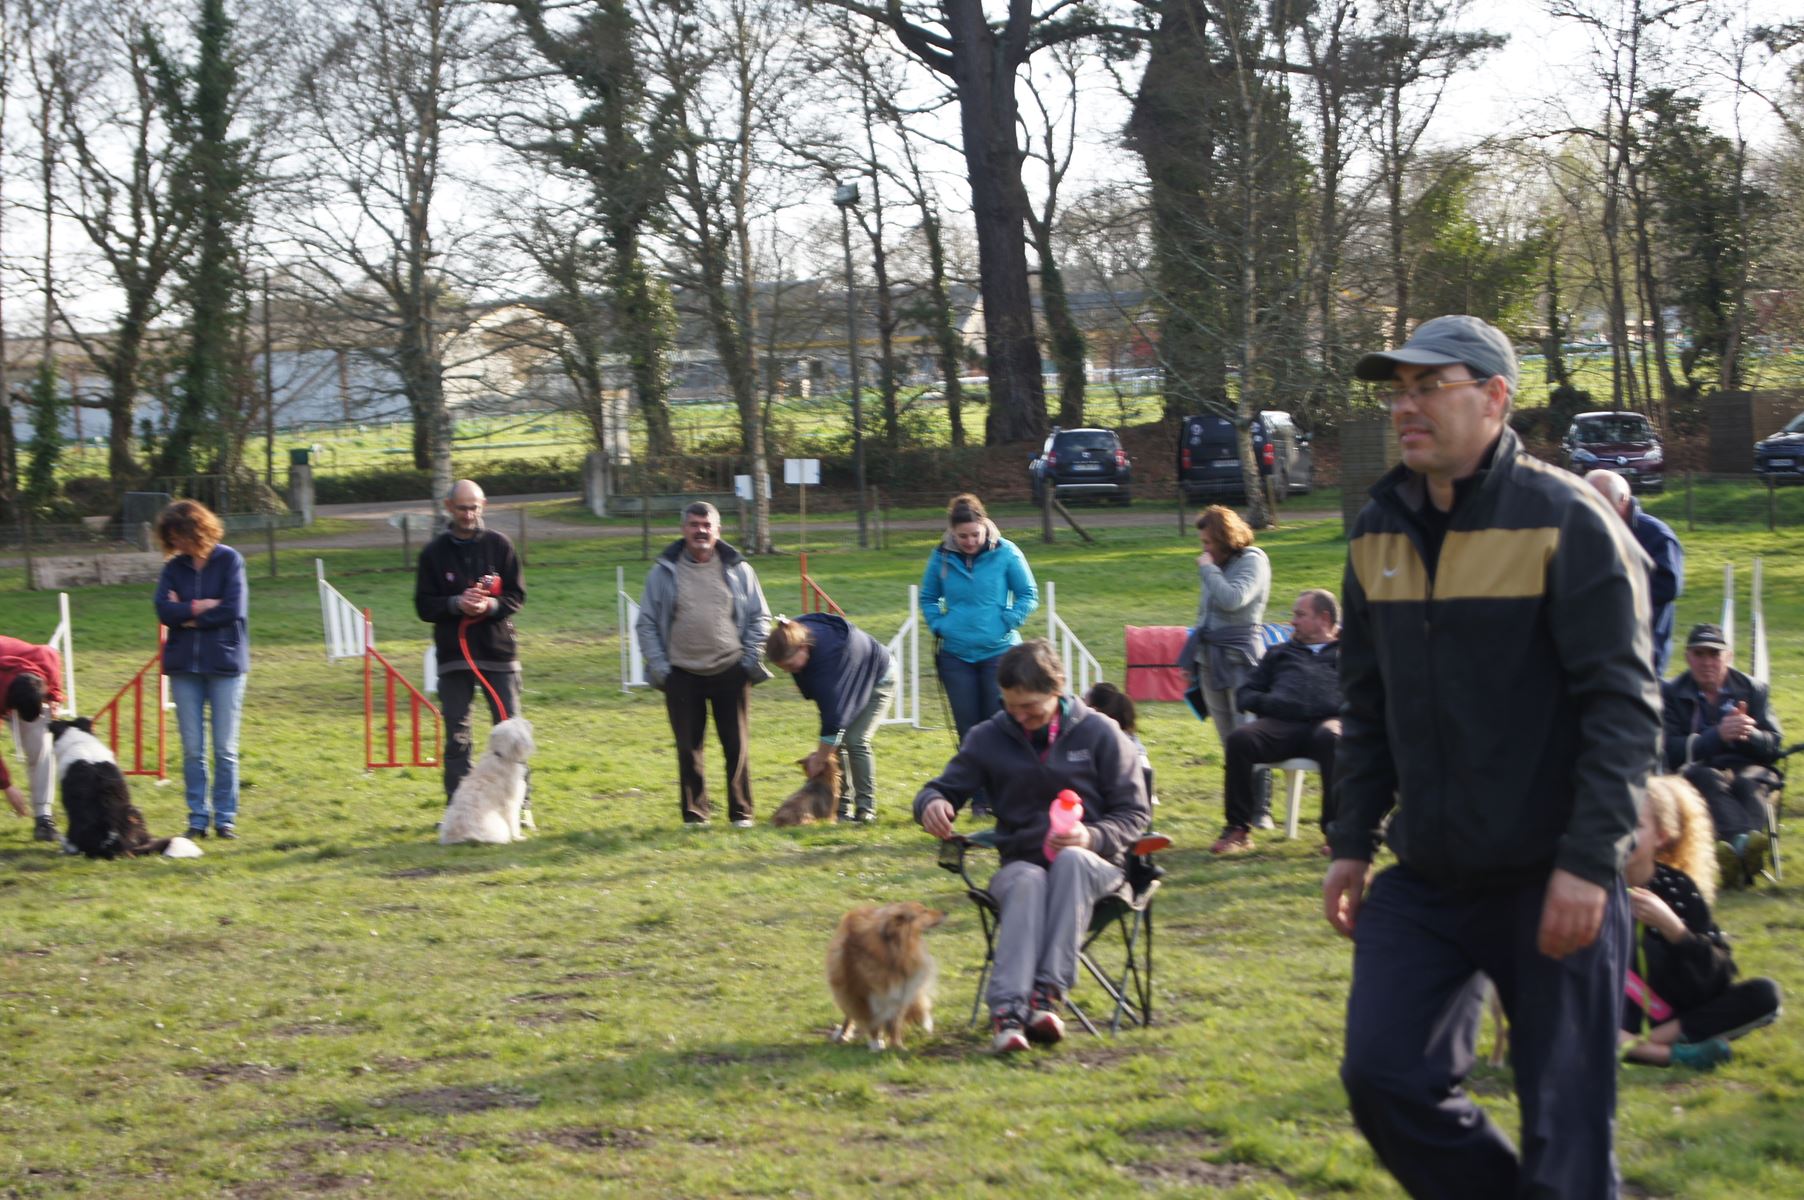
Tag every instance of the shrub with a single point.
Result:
(508, 477)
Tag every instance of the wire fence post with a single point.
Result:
(406, 540)
(31, 575)
(523, 535)
(272, 545)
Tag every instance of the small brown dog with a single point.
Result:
(815, 800)
(880, 971)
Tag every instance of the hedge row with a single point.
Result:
(511, 477)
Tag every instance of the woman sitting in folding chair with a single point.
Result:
(1042, 743)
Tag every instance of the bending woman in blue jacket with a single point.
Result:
(975, 594)
(203, 599)
(850, 677)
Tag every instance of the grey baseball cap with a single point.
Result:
(1443, 342)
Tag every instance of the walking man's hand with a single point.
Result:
(1571, 914)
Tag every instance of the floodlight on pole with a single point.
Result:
(846, 197)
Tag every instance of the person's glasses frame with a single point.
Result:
(1422, 389)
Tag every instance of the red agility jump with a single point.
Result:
(107, 720)
(420, 755)
(813, 598)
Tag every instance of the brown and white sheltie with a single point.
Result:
(880, 972)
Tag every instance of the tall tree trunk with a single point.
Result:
(984, 80)
(1065, 340)
(948, 346)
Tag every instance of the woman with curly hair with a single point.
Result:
(1684, 1005)
(204, 600)
(1225, 646)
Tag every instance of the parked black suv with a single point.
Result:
(1209, 458)
(1781, 457)
(1082, 462)
(1623, 442)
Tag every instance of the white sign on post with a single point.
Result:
(742, 487)
(804, 471)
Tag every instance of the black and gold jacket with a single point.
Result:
(1498, 684)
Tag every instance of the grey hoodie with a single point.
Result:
(1091, 756)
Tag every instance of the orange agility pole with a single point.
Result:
(420, 755)
(108, 717)
(814, 599)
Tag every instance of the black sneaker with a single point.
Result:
(196, 832)
(45, 831)
(866, 816)
(226, 833)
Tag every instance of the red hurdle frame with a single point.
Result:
(109, 716)
(814, 599)
(416, 701)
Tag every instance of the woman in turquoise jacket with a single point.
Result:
(975, 594)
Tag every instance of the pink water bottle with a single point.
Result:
(1067, 814)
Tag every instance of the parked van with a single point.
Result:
(1209, 456)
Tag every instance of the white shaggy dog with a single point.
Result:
(486, 806)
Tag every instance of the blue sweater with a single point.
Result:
(985, 597)
(220, 643)
(1665, 578)
(844, 667)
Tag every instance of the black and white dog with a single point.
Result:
(103, 821)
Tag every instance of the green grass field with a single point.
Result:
(335, 1005)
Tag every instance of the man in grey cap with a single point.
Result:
(1501, 711)
(1722, 736)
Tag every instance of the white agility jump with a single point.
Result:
(1081, 665)
(1759, 663)
(351, 633)
(63, 642)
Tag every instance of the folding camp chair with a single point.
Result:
(1775, 801)
(1129, 911)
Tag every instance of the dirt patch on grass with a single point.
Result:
(316, 1029)
(559, 1017)
(739, 1058)
(303, 1183)
(546, 997)
(219, 1074)
(417, 872)
(591, 976)
(580, 1138)
(1183, 1161)
(445, 1101)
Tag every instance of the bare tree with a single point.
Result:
(619, 140)
(729, 77)
(1057, 140)
(118, 157)
(380, 92)
(982, 60)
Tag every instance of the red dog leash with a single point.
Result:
(490, 583)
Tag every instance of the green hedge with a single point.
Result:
(511, 477)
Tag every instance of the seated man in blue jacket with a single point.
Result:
(1722, 736)
(1666, 558)
(1294, 696)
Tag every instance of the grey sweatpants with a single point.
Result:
(1045, 911)
(33, 740)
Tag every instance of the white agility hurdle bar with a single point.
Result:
(1728, 621)
(343, 620)
(904, 707)
(63, 642)
(632, 659)
(1080, 665)
(1757, 662)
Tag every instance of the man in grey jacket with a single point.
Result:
(702, 623)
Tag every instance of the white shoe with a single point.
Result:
(744, 823)
(526, 821)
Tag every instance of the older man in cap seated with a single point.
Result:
(1721, 735)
